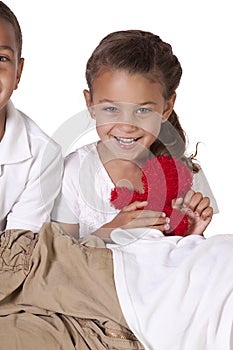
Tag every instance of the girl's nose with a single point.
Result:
(126, 126)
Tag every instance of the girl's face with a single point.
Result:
(129, 110)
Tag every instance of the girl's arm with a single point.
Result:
(131, 217)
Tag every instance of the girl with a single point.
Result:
(132, 78)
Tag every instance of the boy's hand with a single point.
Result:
(198, 210)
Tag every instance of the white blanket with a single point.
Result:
(176, 293)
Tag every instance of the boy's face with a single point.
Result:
(10, 66)
(129, 110)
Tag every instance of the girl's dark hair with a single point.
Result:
(141, 52)
(9, 16)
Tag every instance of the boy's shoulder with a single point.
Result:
(30, 129)
(33, 129)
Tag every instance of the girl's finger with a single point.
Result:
(207, 213)
(153, 222)
(195, 201)
(177, 203)
(202, 205)
(150, 214)
(187, 198)
(135, 205)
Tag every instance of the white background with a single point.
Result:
(59, 36)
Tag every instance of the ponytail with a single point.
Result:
(171, 141)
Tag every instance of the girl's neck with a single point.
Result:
(123, 172)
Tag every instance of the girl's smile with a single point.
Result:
(126, 142)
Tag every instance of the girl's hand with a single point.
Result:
(131, 217)
(198, 210)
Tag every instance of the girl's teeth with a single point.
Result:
(125, 141)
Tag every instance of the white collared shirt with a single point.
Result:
(30, 173)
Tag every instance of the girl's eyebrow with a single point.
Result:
(147, 103)
(138, 104)
(106, 100)
(6, 48)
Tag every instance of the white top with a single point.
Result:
(175, 293)
(86, 190)
(31, 167)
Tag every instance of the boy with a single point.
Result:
(30, 162)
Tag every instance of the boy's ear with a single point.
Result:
(19, 72)
(89, 103)
(169, 105)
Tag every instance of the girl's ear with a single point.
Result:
(89, 103)
(87, 97)
(169, 105)
(19, 72)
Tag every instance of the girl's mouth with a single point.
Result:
(126, 141)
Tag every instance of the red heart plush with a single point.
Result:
(164, 178)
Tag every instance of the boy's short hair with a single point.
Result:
(9, 16)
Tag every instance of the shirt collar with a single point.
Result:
(14, 147)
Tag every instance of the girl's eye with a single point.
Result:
(111, 109)
(3, 59)
(143, 110)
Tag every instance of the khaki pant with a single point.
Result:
(58, 294)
